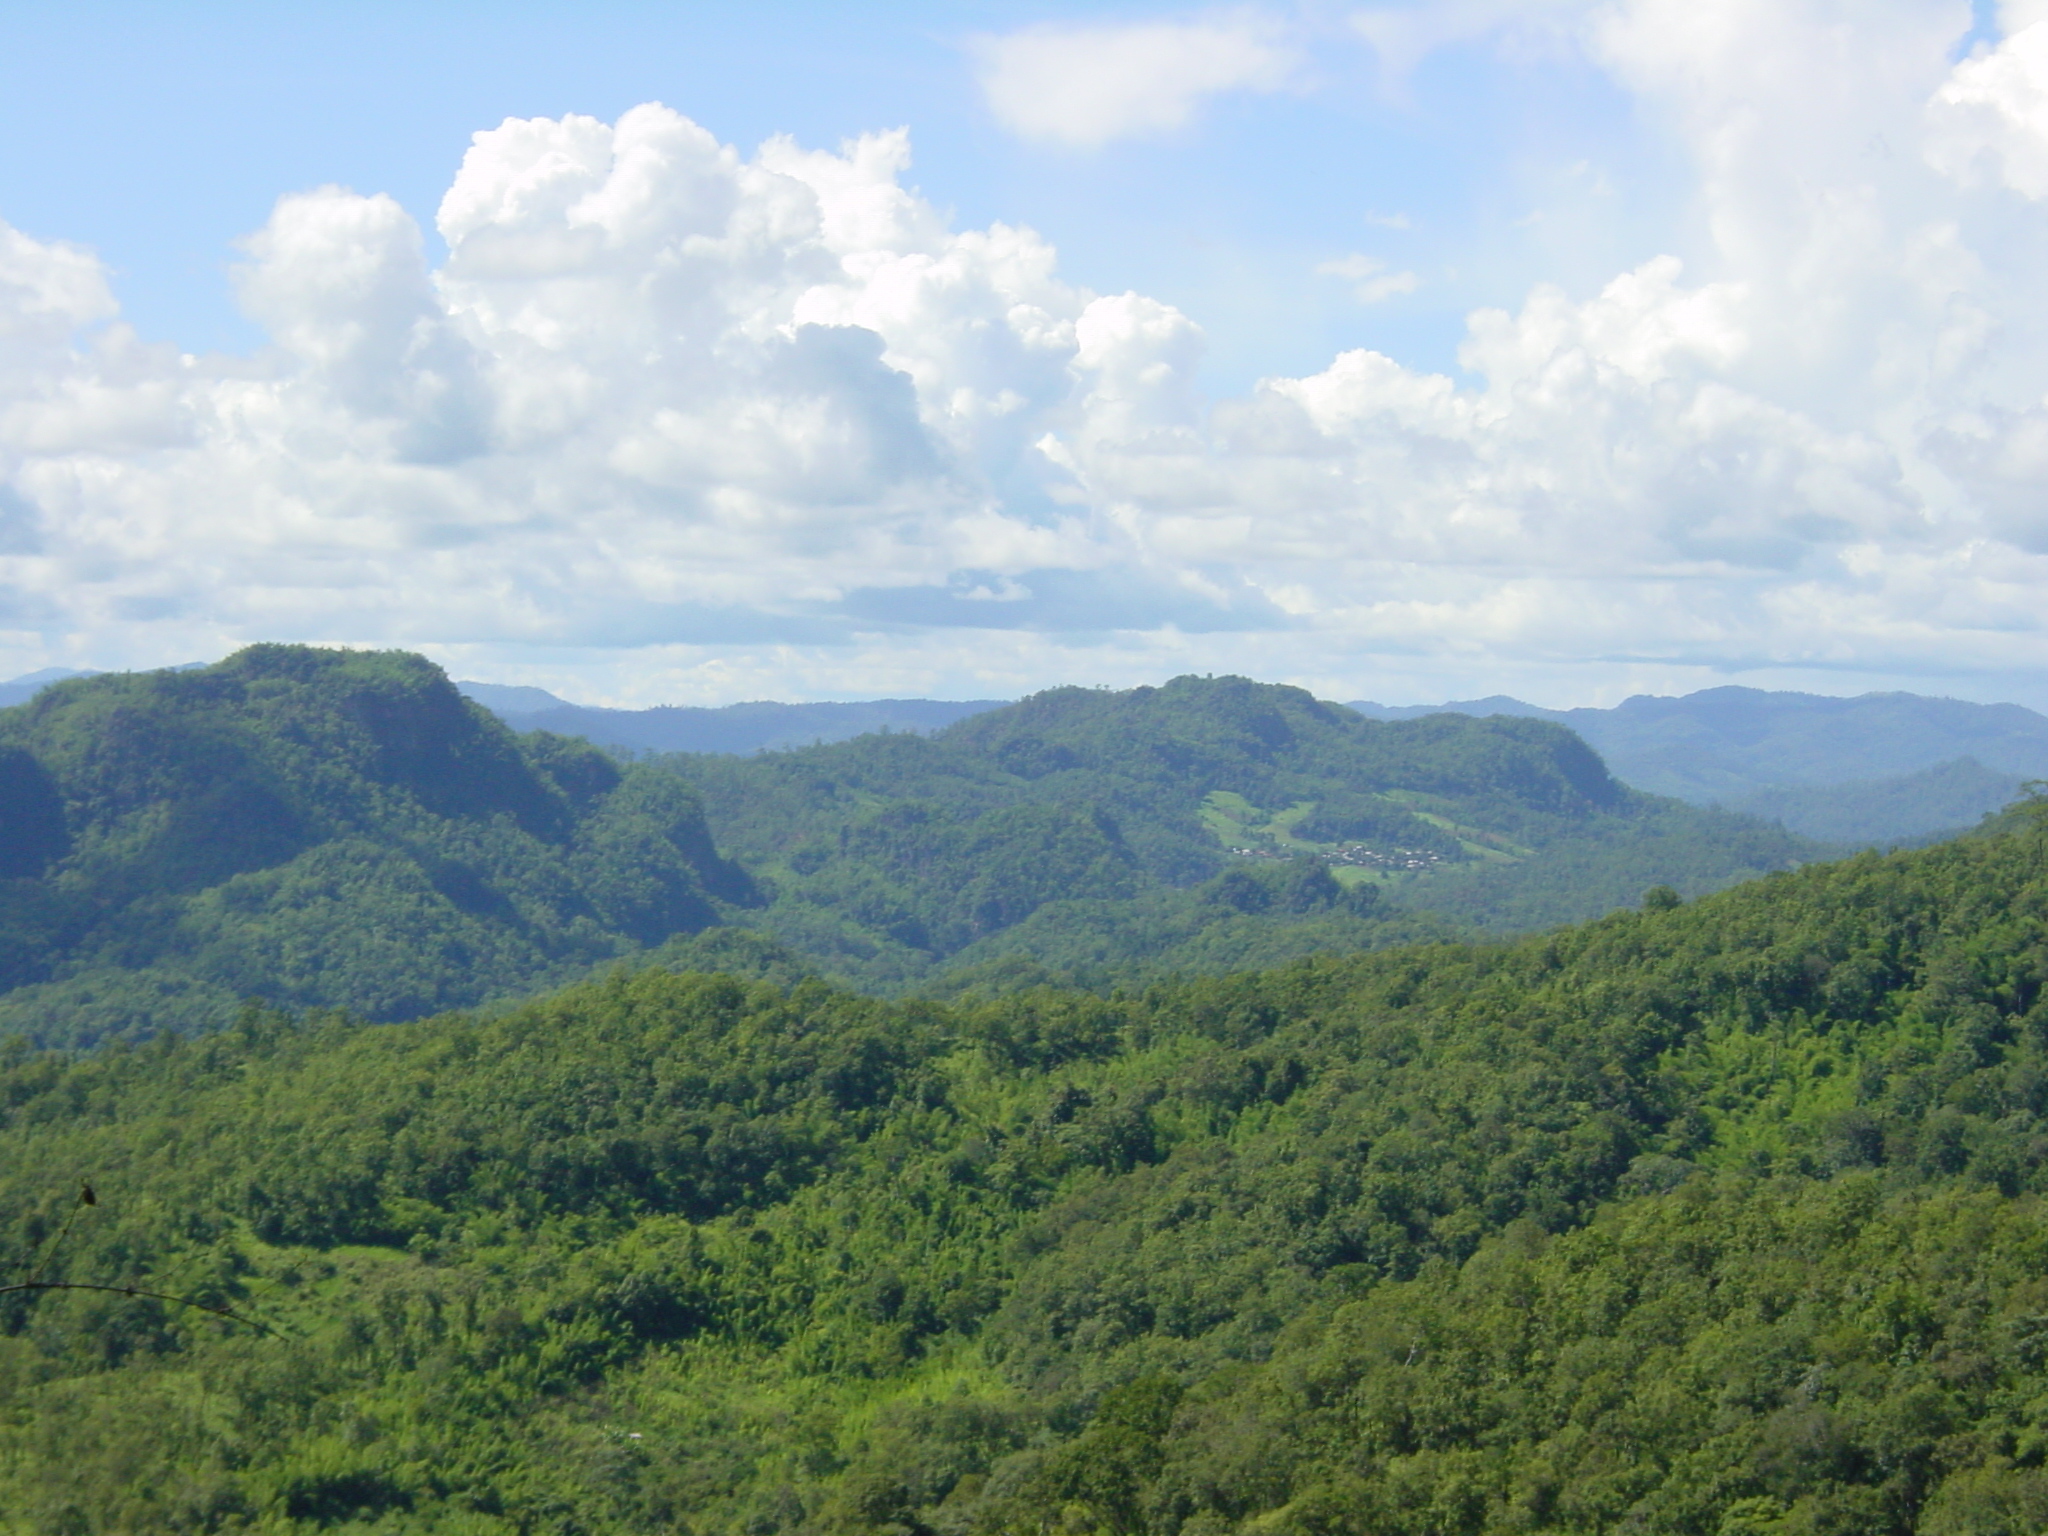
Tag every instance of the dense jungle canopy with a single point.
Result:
(1718, 1216)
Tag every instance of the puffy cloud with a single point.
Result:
(46, 293)
(656, 389)
(671, 420)
(1995, 109)
(1083, 86)
(341, 283)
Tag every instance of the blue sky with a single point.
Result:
(160, 135)
(1751, 393)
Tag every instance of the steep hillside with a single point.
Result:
(1152, 830)
(1722, 1217)
(320, 828)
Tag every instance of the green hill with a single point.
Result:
(334, 829)
(1879, 769)
(1125, 834)
(762, 725)
(1716, 1217)
(320, 828)
(1889, 812)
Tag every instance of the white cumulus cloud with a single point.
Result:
(672, 419)
(1994, 112)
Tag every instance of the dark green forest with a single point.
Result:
(1083, 833)
(319, 828)
(331, 829)
(1718, 1216)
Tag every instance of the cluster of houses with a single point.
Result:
(1358, 854)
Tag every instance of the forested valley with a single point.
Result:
(1277, 1190)
(339, 829)
(1092, 836)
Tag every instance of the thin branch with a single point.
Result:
(85, 1197)
(133, 1290)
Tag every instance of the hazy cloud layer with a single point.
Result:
(672, 412)
(1083, 86)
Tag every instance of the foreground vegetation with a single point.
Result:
(1714, 1217)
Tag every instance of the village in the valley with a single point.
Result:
(1357, 855)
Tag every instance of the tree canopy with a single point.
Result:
(1720, 1216)
(319, 828)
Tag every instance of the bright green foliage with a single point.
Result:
(1255, 914)
(1725, 1216)
(1063, 834)
(319, 828)
(340, 829)
(1732, 1357)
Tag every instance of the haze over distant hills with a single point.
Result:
(1880, 767)
(737, 728)
(328, 828)
(19, 690)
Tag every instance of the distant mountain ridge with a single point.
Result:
(330, 828)
(19, 690)
(762, 726)
(1881, 768)
(1878, 767)
(759, 726)
(1208, 823)
(1716, 746)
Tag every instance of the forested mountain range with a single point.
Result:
(319, 828)
(752, 727)
(1203, 825)
(757, 727)
(1878, 768)
(1711, 1218)
(1881, 769)
(1913, 807)
(333, 829)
